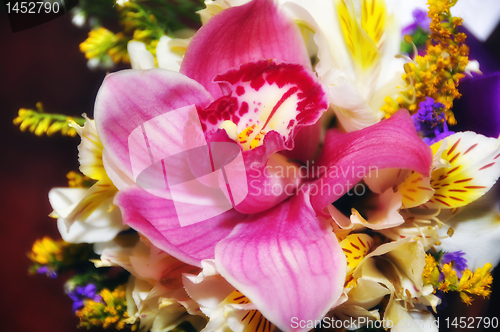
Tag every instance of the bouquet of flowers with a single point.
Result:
(273, 165)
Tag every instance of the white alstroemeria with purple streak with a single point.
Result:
(246, 75)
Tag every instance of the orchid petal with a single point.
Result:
(306, 143)
(266, 178)
(285, 261)
(254, 31)
(158, 220)
(269, 96)
(214, 7)
(129, 98)
(379, 180)
(392, 143)
(270, 179)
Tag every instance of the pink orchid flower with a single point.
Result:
(247, 65)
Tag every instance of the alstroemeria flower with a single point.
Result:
(357, 44)
(228, 309)
(393, 269)
(88, 214)
(248, 83)
(155, 293)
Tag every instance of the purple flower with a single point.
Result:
(81, 293)
(460, 263)
(430, 121)
(48, 272)
(421, 20)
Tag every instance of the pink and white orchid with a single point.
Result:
(246, 77)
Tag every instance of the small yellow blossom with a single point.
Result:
(470, 283)
(437, 73)
(111, 312)
(477, 283)
(431, 271)
(47, 250)
(39, 123)
(101, 42)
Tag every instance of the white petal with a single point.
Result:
(213, 7)
(322, 16)
(140, 57)
(208, 288)
(100, 226)
(473, 67)
(64, 200)
(476, 231)
(169, 52)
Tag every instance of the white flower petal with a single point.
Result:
(100, 226)
(208, 288)
(476, 231)
(140, 57)
(169, 52)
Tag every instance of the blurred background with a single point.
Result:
(44, 64)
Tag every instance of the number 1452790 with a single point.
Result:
(33, 7)
(472, 322)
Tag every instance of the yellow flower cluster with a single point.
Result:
(437, 73)
(40, 123)
(46, 251)
(474, 283)
(110, 313)
(477, 283)
(101, 43)
(143, 25)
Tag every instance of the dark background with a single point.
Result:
(44, 64)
